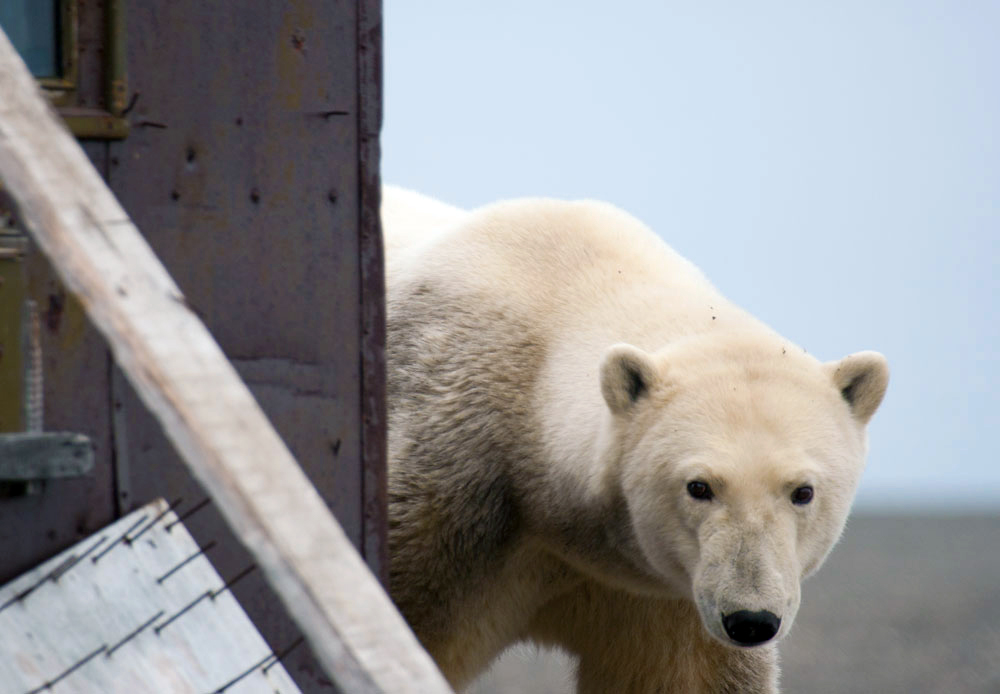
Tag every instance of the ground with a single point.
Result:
(904, 604)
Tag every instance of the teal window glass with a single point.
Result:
(33, 27)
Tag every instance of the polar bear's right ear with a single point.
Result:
(861, 378)
(627, 374)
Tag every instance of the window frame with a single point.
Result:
(85, 121)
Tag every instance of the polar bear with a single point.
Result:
(591, 449)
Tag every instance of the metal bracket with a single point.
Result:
(32, 456)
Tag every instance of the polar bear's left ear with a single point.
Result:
(627, 375)
(861, 378)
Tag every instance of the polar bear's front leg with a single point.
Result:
(630, 644)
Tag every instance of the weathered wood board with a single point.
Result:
(136, 607)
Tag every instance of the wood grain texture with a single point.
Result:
(205, 409)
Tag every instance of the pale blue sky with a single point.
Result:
(834, 167)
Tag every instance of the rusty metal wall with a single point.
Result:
(244, 170)
(252, 169)
(372, 267)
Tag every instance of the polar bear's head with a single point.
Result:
(738, 463)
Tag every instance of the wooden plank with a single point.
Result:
(143, 597)
(209, 415)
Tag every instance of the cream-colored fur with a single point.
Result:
(558, 376)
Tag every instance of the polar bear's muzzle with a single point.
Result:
(745, 627)
(746, 586)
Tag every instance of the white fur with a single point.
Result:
(615, 374)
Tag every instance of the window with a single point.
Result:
(47, 34)
(33, 29)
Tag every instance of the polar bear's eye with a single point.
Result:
(802, 495)
(699, 490)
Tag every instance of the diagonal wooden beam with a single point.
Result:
(205, 409)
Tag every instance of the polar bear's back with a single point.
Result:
(409, 218)
(560, 262)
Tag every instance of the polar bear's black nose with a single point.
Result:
(750, 628)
